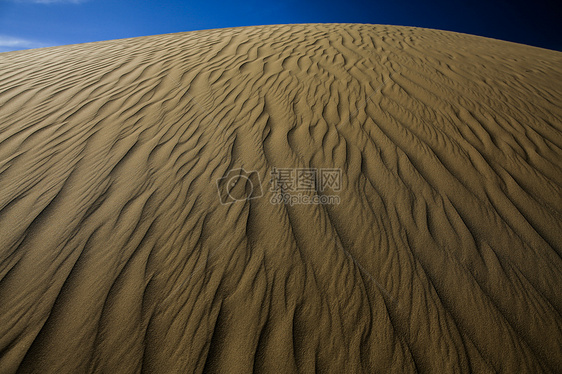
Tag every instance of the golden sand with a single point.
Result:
(442, 255)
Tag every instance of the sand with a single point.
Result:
(441, 255)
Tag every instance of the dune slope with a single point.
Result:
(441, 255)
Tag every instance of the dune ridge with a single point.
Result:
(443, 255)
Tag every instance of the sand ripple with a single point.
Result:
(443, 256)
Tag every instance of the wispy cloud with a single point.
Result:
(9, 43)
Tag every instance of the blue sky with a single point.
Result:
(40, 23)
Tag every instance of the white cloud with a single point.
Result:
(9, 43)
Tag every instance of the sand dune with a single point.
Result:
(442, 253)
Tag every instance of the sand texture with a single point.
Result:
(443, 254)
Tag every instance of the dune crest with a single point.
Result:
(120, 252)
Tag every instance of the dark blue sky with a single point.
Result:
(36, 23)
